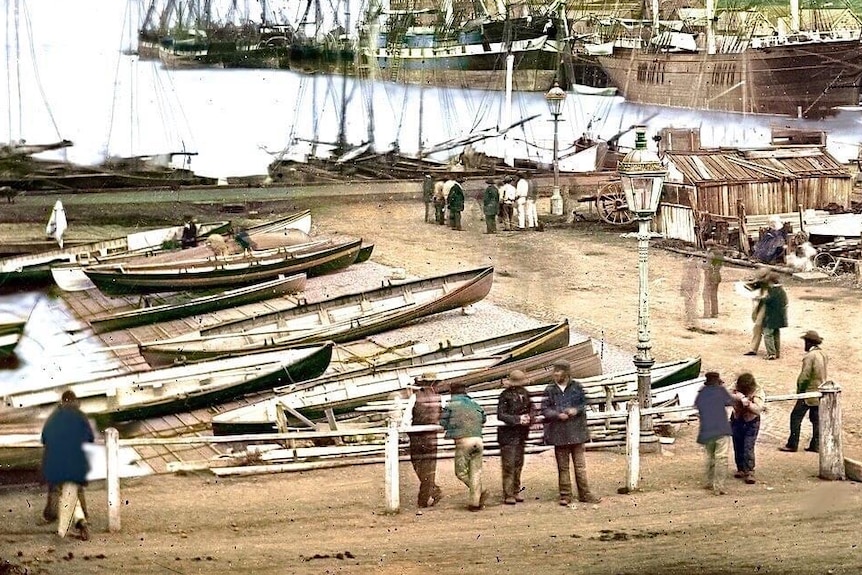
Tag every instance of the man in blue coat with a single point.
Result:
(64, 461)
(564, 409)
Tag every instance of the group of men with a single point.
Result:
(565, 427)
(747, 400)
(512, 202)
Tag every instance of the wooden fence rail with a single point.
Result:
(831, 450)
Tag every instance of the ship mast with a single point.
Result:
(794, 15)
(710, 27)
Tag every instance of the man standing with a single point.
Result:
(522, 190)
(508, 195)
(689, 287)
(564, 408)
(514, 410)
(714, 433)
(462, 419)
(440, 202)
(813, 374)
(64, 461)
(774, 315)
(491, 206)
(428, 196)
(532, 198)
(748, 402)
(455, 203)
(423, 444)
(711, 279)
(758, 310)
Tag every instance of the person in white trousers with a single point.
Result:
(523, 188)
(532, 197)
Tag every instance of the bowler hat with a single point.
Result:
(713, 378)
(489, 181)
(458, 388)
(812, 336)
(517, 376)
(427, 377)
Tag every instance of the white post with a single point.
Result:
(633, 441)
(112, 452)
(392, 484)
(831, 449)
(508, 152)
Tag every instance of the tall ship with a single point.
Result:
(799, 73)
(468, 44)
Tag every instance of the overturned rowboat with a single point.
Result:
(339, 319)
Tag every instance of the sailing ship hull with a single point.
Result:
(804, 79)
(116, 279)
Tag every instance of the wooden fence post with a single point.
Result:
(112, 459)
(633, 441)
(392, 483)
(831, 449)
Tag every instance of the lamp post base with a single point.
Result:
(556, 202)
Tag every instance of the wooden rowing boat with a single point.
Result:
(340, 393)
(10, 335)
(662, 374)
(222, 271)
(239, 296)
(171, 390)
(364, 253)
(71, 277)
(28, 271)
(340, 319)
(507, 350)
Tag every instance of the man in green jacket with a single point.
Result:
(455, 201)
(462, 419)
(775, 315)
(491, 206)
(813, 374)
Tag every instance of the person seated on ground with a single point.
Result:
(800, 253)
(189, 238)
(771, 246)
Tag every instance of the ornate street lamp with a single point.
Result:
(555, 98)
(642, 175)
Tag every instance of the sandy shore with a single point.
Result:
(333, 521)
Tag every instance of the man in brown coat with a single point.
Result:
(813, 373)
(423, 444)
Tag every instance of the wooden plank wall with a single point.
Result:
(772, 197)
(676, 222)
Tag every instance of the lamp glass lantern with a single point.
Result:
(555, 97)
(642, 175)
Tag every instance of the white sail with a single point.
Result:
(57, 223)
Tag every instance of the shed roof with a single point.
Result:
(772, 164)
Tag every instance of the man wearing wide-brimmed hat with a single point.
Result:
(564, 408)
(813, 374)
(514, 410)
(714, 433)
(423, 444)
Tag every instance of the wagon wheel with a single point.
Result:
(612, 205)
(826, 262)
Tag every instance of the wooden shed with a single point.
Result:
(727, 182)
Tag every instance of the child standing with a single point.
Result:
(748, 402)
